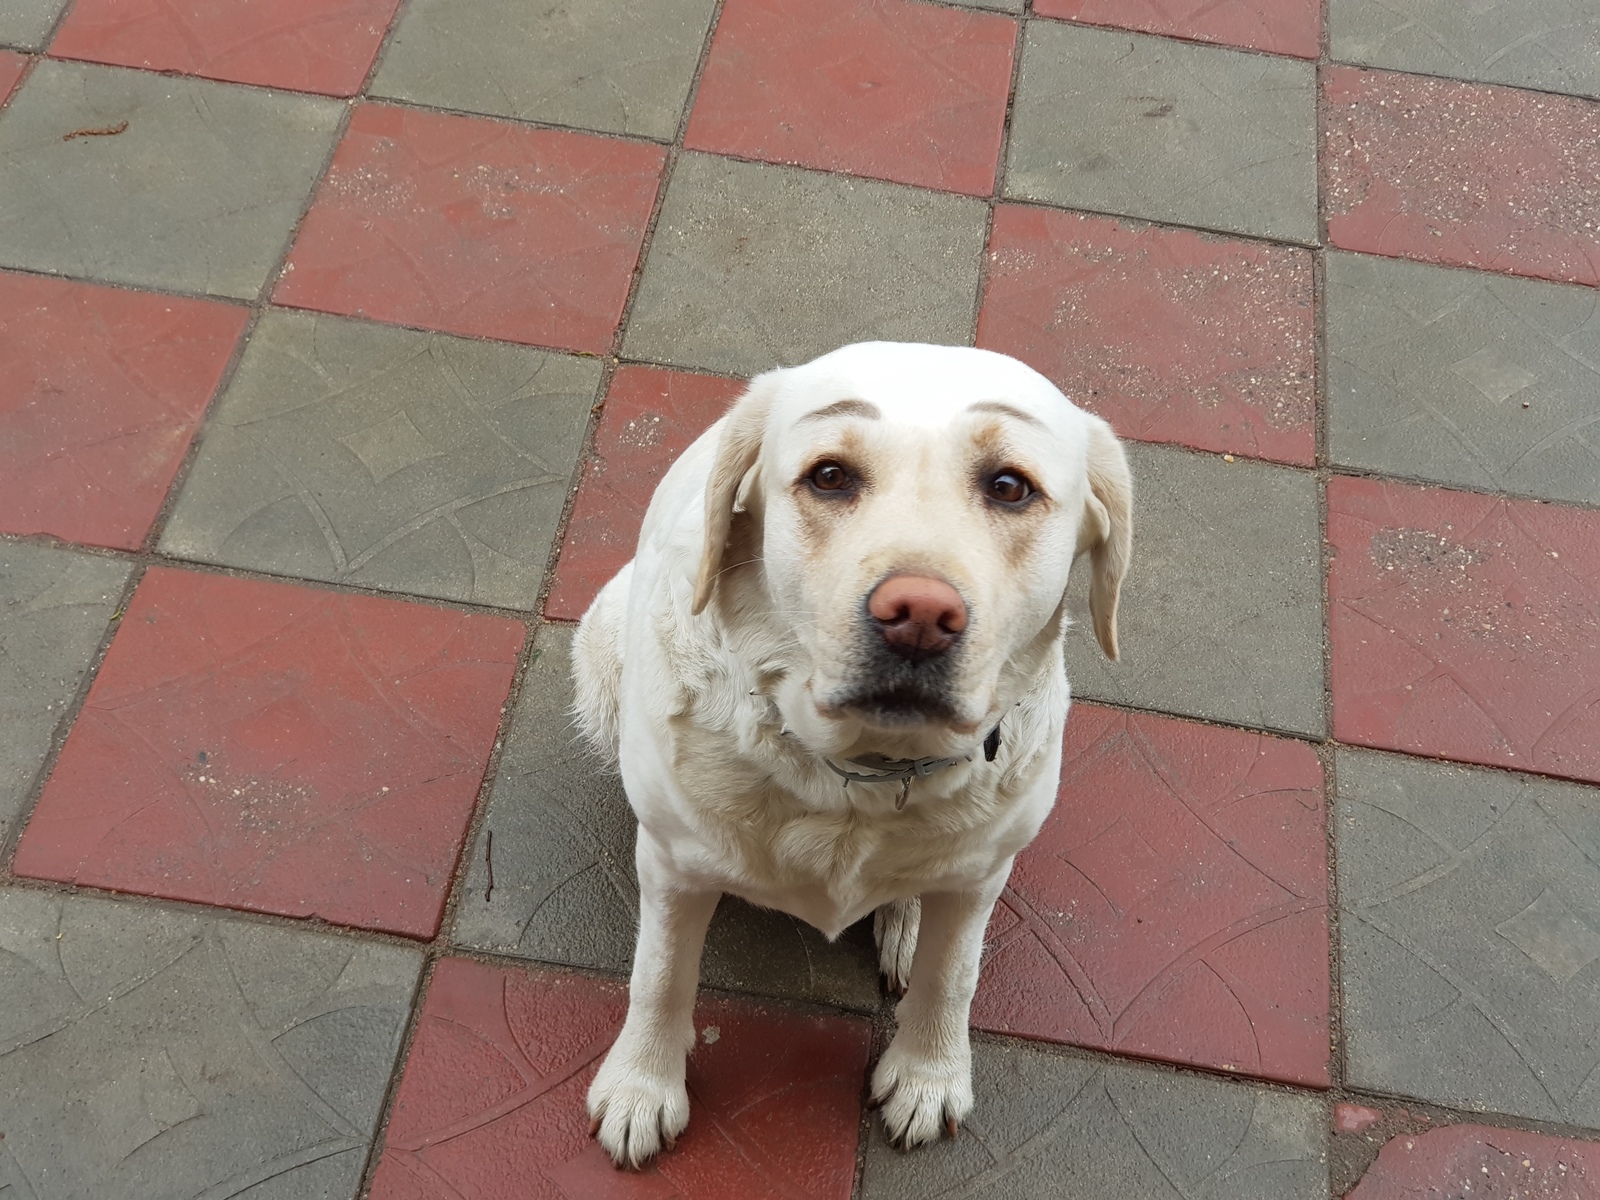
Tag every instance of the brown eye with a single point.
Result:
(830, 477)
(1009, 487)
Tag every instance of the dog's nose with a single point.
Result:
(919, 617)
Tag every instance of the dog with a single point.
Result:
(832, 680)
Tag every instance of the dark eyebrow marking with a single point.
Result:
(1005, 410)
(845, 408)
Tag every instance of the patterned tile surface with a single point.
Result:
(1464, 378)
(1147, 127)
(54, 609)
(892, 89)
(304, 45)
(588, 64)
(146, 1054)
(475, 227)
(412, 462)
(272, 747)
(198, 191)
(104, 390)
(491, 1104)
(1172, 336)
(1047, 1126)
(26, 23)
(757, 266)
(1465, 626)
(1470, 922)
(650, 417)
(1485, 1163)
(1462, 174)
(1279, 26)
(1174, 906)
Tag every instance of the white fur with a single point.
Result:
(719, 668)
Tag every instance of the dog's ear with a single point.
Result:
(732, 477)
(1106, 533)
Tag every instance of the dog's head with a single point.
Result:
(911, 513)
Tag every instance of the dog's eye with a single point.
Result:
(830, 477)
(1009, 487)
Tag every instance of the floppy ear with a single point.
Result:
(1107, 530)
(732, 476)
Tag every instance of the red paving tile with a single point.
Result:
(272, 747)
(1170, 335)
(886, 88)
(1465, 626)
(650, 417)
(1174, 905)
(103, 390)
(491, 1104)
(476, 227)
(1462, 174)
(1278, 26)
(1479, 1163)
(12, 65)
(322, 46)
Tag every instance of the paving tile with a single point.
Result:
(408, 461)
(491, 1103)
(584, 63)
(650, 417)
(1047, 1126)
(1553, 45)
(198, 193)
(147, 1054)
(1148, 127)
(105, 390)
(1462, 174)
(476, 227)
(54, 609)
(276, 748)
(1170, 335)
(1279, 26)
(1175, 904)
(1484, 1164)
(564, 884)
(304, 45)
(891, 89)
(1470, 931)
(1465, 626)
(12, 66)
(1221, 612)
(754, 266)
(27, 23)
(1464, 378)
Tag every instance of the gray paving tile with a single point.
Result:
(1459, 377)
(198, 193)
(156, 1054)
(755, 266)
(1151, 127)
(362, 453)
(1221, 613)
(26, 23)
(1470, 925)
(54, 609)
(1549, 44)
(591, 64)
(564, 883)
(1047, 1126)
(1010, 6)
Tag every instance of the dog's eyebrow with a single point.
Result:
(1006, 410)
(845, 408)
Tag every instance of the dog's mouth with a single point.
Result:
(895, 708)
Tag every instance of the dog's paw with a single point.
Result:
(922, 1096)
(636, 1114)
(894, 928)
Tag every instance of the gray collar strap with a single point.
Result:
(879, 769)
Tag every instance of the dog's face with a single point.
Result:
(916, 511)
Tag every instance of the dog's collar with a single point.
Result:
(903, 770)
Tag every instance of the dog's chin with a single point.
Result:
(901, 713)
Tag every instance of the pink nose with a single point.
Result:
(919, 617)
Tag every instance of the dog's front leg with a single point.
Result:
(924, 1080)
(638, 1102)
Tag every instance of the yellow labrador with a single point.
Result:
(832, 678)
